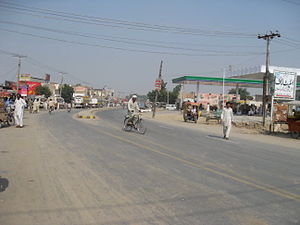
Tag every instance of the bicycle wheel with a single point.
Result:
(126, 127)
(295, 134)
(140, 127)
(10, 120)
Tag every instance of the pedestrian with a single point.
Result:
(20, 104)
(208, 108)
(227, 119)
(36, 106)
(30, 105)
(45, 105)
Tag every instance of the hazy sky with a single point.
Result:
(119, 44)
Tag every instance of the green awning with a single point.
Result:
(218, 81)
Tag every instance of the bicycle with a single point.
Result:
(138, 126)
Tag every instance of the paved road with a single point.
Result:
(66, 171)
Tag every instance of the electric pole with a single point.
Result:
(266, 78)
(157, 89)
(19, 70)
(62, 80)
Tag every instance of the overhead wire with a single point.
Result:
(94, 36)
(72, 17)
(121, 48)
(291, 2)
(8, 72)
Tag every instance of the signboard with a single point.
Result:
(285, 85)
(158, 83)
(25, 77)
(31, 87)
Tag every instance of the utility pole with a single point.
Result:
(268, 38)
(62, 80)
(157, 89)
(19, 70)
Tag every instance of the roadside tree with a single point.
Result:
(43, 90)
(67, 93)
(242, 92)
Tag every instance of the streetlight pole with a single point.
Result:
(62, 80)
(268, 38)
(157, 89)
(19, 70)
(223, 88)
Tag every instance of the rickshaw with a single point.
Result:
(6, 115)
(190, 112)
(293, 118)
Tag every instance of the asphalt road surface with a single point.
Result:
(60, 170)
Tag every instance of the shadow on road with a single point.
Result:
(3, 184)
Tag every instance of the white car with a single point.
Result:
(146, 110)
(170, 107)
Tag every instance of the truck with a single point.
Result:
(78, 102)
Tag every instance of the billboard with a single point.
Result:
(31, 87)
(25, 77)
(285, 85)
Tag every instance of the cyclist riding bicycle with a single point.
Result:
(133, 110)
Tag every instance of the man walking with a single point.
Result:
(19, 110)
(227, 119)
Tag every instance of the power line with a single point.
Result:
(291, 2)
(94, 36)
(72, 17)
(10, 71)
(120, 48)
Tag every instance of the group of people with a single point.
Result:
(226, 116)
(17, 104)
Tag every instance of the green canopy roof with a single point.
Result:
(218, 81)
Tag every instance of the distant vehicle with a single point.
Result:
(93, 102)
(144, 107)
(78, 102)
(60, 102)
(170, 107)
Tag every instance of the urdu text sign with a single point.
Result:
(285, 85)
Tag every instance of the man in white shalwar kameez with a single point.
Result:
(20, 104)
(133, 109)
(227, 119)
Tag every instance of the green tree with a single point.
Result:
(174, 94)
(43, 90)
(67, 93)
(163, 93)
(242, 92)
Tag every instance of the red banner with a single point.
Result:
(31, 87)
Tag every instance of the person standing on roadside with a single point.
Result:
(227, 120)
(20, 104)
(208, 108)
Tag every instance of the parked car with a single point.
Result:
(170, 107)
(144, 107)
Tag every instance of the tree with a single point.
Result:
(43, 90)
(174, 94)
(244, 94)
(67, 93)
(162, 94)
